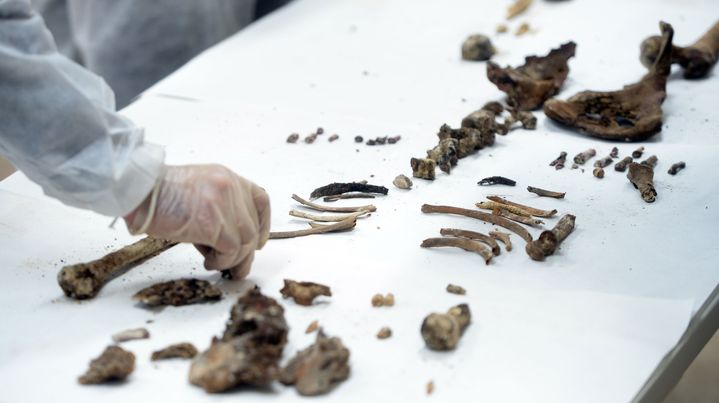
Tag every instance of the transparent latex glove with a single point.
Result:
(225, 216)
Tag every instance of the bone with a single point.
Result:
(179, 350)
(560, 161)
(621, 166)
(331, 209)
(495, 206)
(442, 331)
(598, 172)
(549, 240)
(603, 162)
(518, 7)
(304, 292)
(502, 237)
(584, 156)
(529, 210)
(327, 218)
(292, 138)
(546, 193)
(477, 236)
(675, 168)
(489, 218)
(334, 198)
(131, 334)
(614, 153)
(696, 59)
(642, 177)
(84, 280)
(526, 220)
(638, 152)
(651, 162)
(345, 225)
(463, 243)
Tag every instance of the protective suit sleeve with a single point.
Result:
(58, 123)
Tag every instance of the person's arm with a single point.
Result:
(59, 127)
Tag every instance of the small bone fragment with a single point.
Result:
(328, 218)
(477, 48)
(548, 241)
(598, 172)
(311, 138)
(477, 236)
(371, 142)
(114, 364)
(501, 29)
(696, 59)
(384, 333)
(546, 193)
(675, 168)
(358, 139)
(441, 331)
(633, 113)
(84, 280)
(528, 210)
(178, 292)
(518, 7)
(394, 140)
(651, 161)
(180, 350)
(522, 219)
(131, 334)
(423, 168)
(429, 388)
(621, 166)
(642, 177)
(304, 292)
(559, 162)
(522, 29)
(249, 350)
(456, 289)
(331, 209)
(292, 138)
(348, 196)
(495, 206)
(312, 327)
(490, 218)
(320, 130)
(463, 243)
(389, 299)
(638, 152)
(584, 156)
(339, 188)
(333, 137)
(526, 118)
(402, 182)
(502, 237)
(614, 153)
(319, 367)
(603, 162)
(377, 300)
(496, 180)
(346, 225)
(539, 78)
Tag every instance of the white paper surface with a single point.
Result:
(590, 324)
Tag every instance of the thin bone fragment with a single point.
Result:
(530, 210)
(345, 225)
(492, 205)
(526, 220)
(490, 218)
(327, 218)
(131, 334)
(518, 7)
(331, 209)
(477, 236)
(348, 196)
(549, 241)
(546, 193)
(463, 243)
(502, 237)
(84, 280)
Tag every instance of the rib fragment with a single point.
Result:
(345, 225)
(548, 241)
(502, 237)
(633, 113)
(332, 209)
(463, 243)
(490, 218)
(179, 350)
(304, 292)
(546, 193)
(318, 368)
(642, 178)
(539, 78)
(525, 210)
(476, 236)
(180, 292)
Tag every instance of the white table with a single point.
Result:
(615, 315)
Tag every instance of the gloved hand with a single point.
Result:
(226, 216)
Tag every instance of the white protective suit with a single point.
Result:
(132, 44)
(59, 126)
